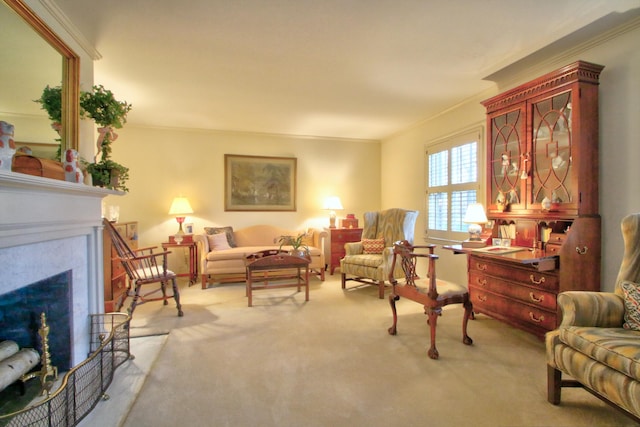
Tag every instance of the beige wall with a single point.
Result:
(403, 159)
(165, 163)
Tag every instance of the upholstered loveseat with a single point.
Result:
(222, 250)
(598, 340)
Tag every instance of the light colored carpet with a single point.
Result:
(331, 362)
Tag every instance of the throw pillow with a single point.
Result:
(372, 246)
(307, 240)
(228, 231)
(631, 305)
(218, 242)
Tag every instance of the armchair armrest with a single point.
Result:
(353, 248)
(583, 308)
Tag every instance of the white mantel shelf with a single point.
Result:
(37, 183)
(34, 209)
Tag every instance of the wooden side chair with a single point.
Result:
(144, 267)
(433, 294)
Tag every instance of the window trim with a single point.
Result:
(461, 137)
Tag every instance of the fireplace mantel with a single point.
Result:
(48, 226)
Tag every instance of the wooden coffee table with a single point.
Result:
(260, 264)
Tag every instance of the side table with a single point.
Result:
(193, 258)
(338, 237)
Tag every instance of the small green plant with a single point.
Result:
(108, 174)
(296, 242)
(51, 102)
(101, 106)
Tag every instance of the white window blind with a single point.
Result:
(452, 184)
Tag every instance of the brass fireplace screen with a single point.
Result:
(83, 386)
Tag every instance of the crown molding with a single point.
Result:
(70, 28)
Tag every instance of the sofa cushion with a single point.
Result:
(218, 242)
(369, 260)
(372, 246)
(631, 305)
(617, 348)
(228, 231)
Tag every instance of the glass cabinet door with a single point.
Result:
(551, 151)
(506, 162)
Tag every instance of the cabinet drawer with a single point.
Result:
(529, 276)
(488, 302)
(553, 249)
(557, 238)
(347, 235)
(529, 295)
(337, 247)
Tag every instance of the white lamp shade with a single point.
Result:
(333, 203)
(180, 206)
(475, 214)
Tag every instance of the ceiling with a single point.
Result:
(362, 69)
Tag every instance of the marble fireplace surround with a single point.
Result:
(48, 227)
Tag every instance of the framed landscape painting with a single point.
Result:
(256, 183)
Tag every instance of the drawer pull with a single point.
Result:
(534, 281)
(482, 298)
(534, 298)
(481, 282)
(481, 267)
(582, 251)
(533, 318)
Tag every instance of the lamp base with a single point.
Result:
(474, 244)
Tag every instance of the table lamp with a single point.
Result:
(332, 204)
(180, 207)
(475, 217)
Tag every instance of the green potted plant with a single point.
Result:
(51, 102)
(101, 106)
(296, 243)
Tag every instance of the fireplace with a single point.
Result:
(47, 228)
(20, 317)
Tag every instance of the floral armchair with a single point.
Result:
(598, 340)
(369, 261)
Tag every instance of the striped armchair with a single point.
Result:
(372, 266)
(591, 345)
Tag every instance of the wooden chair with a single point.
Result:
(433, 294)
(144, 268)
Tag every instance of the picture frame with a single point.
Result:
(188, 228)
(259, 183)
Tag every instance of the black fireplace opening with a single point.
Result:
(20, 312)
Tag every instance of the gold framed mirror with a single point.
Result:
(69, 73)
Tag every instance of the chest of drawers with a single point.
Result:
(519, 295)
(338, 237)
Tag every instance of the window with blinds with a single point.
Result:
(452, 184)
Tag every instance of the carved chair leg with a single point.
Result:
(163, 287)
(392, 302)
(176, 296)
(433, 314)
(554, 381)
(381, 289)
(344, 280)
(468, 311)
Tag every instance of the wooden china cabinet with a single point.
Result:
(542, 179)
